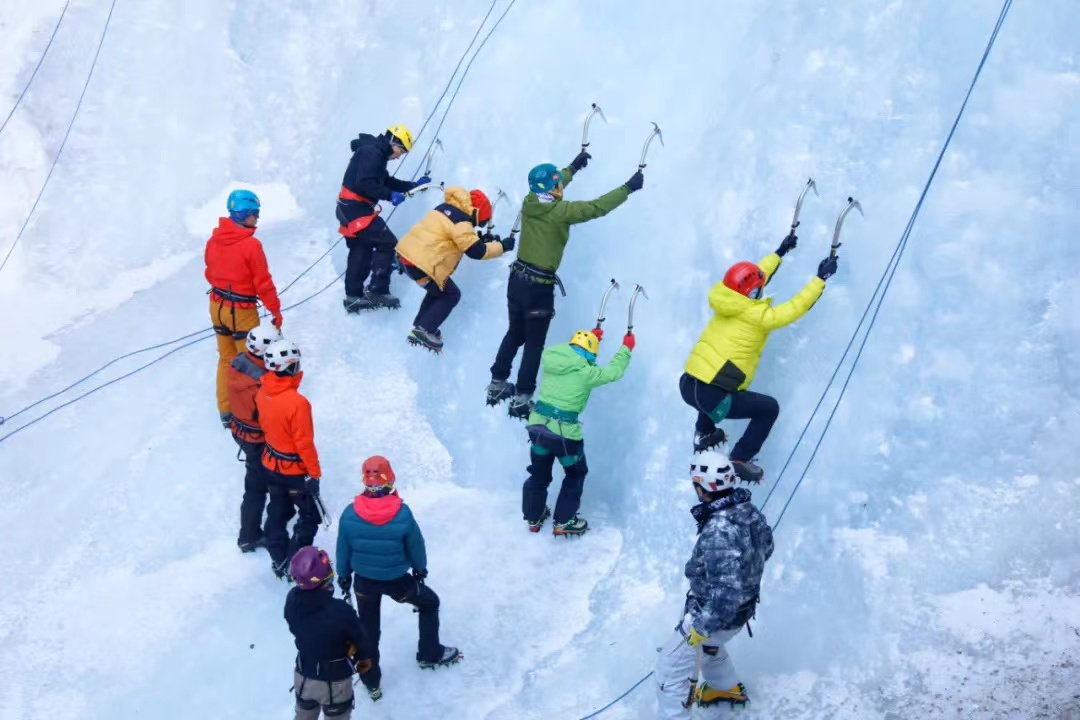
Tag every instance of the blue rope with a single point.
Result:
(36, 67)
(63, 143)
(898, 255)
(616, 700)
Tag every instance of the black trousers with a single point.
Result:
(255, 490)
(371, 252)
(530, 306)
(760, 409)
(547, 447)
(406, 590)
(288, 499)
(437, 304)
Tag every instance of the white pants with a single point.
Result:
(677, 667)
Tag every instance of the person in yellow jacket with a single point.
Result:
(722, 364)
(430, 252)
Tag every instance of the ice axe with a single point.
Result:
(420, 189)
(852, 203)
(588, 119)
(326, 521)
(603, 303)
(648, 141)
(638, 290)
(810, 185)
(499, 197)
(429, 157)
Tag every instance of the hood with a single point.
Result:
(229, 233)
(563, 359)
(702, 512)
(459, 198)
(377, 510)
(274, 384)
(365, 139)
(532, 207)
(727, 302)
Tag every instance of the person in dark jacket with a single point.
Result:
(724, 571)
(370, 241)
(330, 641)
(378, 543)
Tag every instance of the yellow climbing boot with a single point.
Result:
(711, 696)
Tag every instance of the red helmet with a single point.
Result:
(378, 476)
(310, 568)
(744, 277)
(483, 206)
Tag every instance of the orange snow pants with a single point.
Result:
(231, 325)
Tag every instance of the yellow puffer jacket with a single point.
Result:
(728, 352)
(437, 242)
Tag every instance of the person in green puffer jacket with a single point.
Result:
(570, 374)
(530, 294)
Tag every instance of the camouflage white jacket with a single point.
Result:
(734, 541)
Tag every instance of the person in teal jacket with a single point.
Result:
(378, 544)
(570, 374)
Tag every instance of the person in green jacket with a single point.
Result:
(570, 374)
(530, 294)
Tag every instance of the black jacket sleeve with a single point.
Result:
(399, 185)
(356, 634)
(477, 250)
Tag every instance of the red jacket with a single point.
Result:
(285, 416)
(235, 262)
(245, 372)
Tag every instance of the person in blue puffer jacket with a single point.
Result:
(378, 544)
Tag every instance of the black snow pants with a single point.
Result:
(255, 490)
(288, 499)
(405, 590)
(437, 304)
(760, 409)
(530, 305)
(371, 252)
(547, 447)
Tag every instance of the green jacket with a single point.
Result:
(567, 382)
(545, 227)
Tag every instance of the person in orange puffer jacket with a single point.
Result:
(289, 457)
(239, 278)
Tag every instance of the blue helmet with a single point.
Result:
(544, 178)
(242, 204)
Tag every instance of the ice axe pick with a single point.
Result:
(588, 119)
(603, 303)
(810, 185)
(633, 301)
(645, 150)
(852, 203)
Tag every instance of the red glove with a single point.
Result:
(599, 333)
(276, 322)
(629, 341)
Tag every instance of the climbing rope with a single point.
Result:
(67, 134)
(206, 333)
(37, 67)
(883, 286)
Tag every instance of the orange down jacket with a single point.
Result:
(285, 416)
(236, 263)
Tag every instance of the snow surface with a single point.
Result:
(929, 565)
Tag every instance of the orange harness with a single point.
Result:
(360, 224)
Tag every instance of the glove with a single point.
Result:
(276, 322)
(826, 268)
(311, 486)
(581, 161)
(422, 181)
(420, 575)
(490, 237)
(599, 333)
(362, 666)
(508, 243)
(345, 583)
(629, 341)
(396, 198)
(695, 638)
(635, 183)
(787, 244)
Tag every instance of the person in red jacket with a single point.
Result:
(289, 457)
(239, 278)
(245, 373)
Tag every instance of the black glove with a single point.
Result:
(311, 486)
(826, 268)
(787, 244)
(581, 161)
(489, 237)
(508, 243)
(635, 183)
(420, 575)
(345, 583)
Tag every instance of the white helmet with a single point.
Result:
(261, 337)
(283, 357)
(712, 470)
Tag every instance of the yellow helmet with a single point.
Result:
(586, 340)
(402, 135)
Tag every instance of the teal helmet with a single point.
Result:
(544, 178)
(242, 204)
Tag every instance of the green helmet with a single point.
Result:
(544, 178)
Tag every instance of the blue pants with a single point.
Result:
(760, 409)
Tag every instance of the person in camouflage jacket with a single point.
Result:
(724, 571)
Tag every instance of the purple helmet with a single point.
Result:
(310, 568)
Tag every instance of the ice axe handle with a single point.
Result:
(603, 303)
(638, 290)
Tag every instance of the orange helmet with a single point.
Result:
(378, 476)
(744, 278)
(483, 206)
